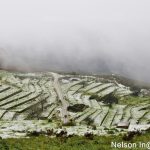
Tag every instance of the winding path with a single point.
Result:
(64, 113)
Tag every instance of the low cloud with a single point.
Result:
(88, 36)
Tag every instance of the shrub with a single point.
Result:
(89, 136)
(94, 127)
(62, 134)
(50, 132)
(89, 121)
(110, 99)
(77, 108)
(129, 136)
(33, 133)
(110, 132)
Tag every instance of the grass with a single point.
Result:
(72, 143)
(134, 100)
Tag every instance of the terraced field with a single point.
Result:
(26, 97)
(80, 102)
(97, 112)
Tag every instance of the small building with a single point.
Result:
(123, 124)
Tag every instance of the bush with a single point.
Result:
(33, 133)
(50, 132)
(89, 136)
(94, 96)
(89, 121)
(77, 108)
(94, 127)
(62, 134)
(129, 136)
(110, 99)
(110, 132)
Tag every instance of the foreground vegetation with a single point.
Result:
(68, 143)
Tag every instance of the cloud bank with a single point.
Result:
(93, 36)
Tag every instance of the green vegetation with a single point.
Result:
(107, 99)
(133, 100)
(77, 108)
(110, 98)
(95, 96)
(70, 143)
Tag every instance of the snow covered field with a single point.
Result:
(31, 102)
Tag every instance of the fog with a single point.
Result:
(93, 36)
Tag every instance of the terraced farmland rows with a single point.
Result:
(14, 98)
(8, 115)
(137, 113)
(105, 117)
(85, 115)
(119, 114)
(107, 91)
(100, 88)
(37, 97)
(109, 118)
(101, 117)
(21, 101)
(91, 86)
(4, 88)
(145, 119)
(17, 103)
(2, 112)
(30, 105)
(127, 114)
(93, 116)
(9, 93)
(47, 111)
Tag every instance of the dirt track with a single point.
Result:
(57, 87)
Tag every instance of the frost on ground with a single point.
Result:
(76, 104)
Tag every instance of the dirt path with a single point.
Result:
(59, 92)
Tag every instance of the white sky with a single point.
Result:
(116, 31)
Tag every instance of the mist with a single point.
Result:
(93, 36)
